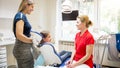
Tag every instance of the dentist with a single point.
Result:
(21, 29)
(82, 56)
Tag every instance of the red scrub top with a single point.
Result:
(80, 46)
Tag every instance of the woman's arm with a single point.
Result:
(89, 51)
(71, 58)
(19, 32)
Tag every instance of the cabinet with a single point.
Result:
(8, 9)
(6, 56)
(3, 57)
(7, 41)
(10, 58)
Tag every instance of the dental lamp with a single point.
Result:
(67, 7)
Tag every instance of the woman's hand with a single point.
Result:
(71, 66)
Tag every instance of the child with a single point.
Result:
(48, 51)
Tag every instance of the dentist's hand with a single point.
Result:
(35, 42)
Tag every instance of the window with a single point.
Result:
(68, 28)
(105, 15)
(110, 16)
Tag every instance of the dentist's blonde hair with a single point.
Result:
(85, 19)
(23, 4)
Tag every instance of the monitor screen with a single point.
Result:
(71, 16)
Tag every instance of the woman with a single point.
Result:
(84, 41)
(21, 29)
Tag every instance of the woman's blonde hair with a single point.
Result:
(24, 3)
(85, 19)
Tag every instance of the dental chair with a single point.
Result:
(48, 55)
(51, 57)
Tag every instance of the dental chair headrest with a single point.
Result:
(36, 35)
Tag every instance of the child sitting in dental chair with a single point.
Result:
(51, 57)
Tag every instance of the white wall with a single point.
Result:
(52, 16)
(8, 9)
(6, 24)
(44, 16)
